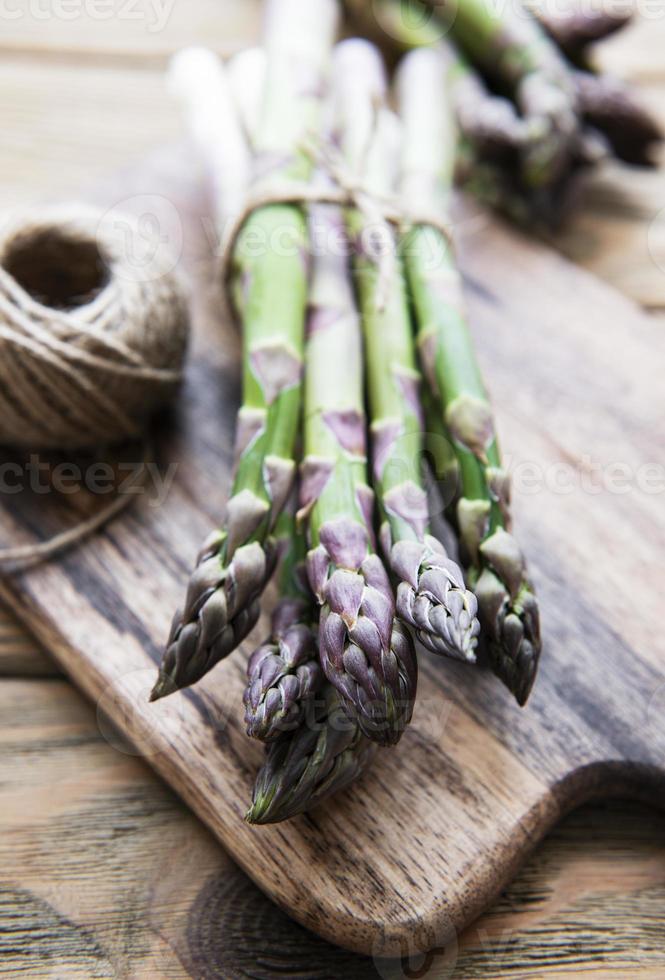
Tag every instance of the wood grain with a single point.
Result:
(619, 233)
(428, 838)
(147, 892)
(20, 654)
(67, 128)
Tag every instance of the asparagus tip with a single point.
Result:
(517, 670)
(466, 656)
(259, 811)
(163, 687)
(524, 687)
(254, 816)
(433, 599)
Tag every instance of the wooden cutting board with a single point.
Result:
(428, 837)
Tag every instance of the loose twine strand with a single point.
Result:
(26, 556)
(90, 375)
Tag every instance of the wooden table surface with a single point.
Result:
(103, 872)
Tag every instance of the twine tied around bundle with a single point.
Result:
(382, 214)
(92, 339)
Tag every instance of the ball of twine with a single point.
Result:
(93, 336)
(92, 340)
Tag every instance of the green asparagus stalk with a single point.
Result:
(431, 595)
(302, 768)
(365, 652)
(507, 606)
(270, 288)
(283, 674)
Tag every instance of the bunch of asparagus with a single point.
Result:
(343, 312)
(532, 111)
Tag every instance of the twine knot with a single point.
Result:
(383, 214)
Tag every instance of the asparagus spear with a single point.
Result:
(507, 606)
(365, 652)
(302, 768)
(335, 421)
(284, 673)
(221, 606)
(270, 287)
(431, 595)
